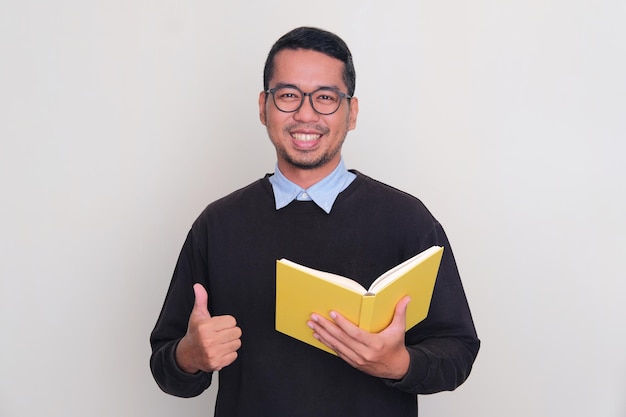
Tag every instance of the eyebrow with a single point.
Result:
(324, 87)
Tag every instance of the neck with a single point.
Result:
(305, 178)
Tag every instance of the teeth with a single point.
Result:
(305, 137)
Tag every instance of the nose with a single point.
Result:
(306, 111)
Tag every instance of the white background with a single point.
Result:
(120, 120)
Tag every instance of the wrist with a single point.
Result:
(183, 357)
(401, 365)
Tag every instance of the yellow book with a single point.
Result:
(301, 291)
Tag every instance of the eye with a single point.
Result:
(287, 94)
(326, 97)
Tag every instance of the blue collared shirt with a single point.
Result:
(323, 193)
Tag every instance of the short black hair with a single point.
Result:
(314, 39)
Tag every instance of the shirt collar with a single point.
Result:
(323, 193)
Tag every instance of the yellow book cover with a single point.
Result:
(301, 291)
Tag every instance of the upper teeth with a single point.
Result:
(305, 136)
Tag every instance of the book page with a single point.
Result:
(327, 276)
(386, 278)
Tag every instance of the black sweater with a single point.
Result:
(232, 250)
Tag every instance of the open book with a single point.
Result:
(301, 291)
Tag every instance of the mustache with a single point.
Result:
(307, 126)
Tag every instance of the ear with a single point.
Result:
(262, 107)
(354, 111)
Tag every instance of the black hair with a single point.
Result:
(314, 39)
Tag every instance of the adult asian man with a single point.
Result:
(218, 314)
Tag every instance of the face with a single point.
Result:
(308, 144)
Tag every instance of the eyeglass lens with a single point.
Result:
(324, 101)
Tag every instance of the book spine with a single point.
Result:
(366, 318)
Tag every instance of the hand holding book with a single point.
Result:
(301, 291)
(382, 354)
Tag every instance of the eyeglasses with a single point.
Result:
(324, 100)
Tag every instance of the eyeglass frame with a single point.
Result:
(341, 97)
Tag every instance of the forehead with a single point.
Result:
(307, 69)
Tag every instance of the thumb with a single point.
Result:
(200, 305)
(399, 317)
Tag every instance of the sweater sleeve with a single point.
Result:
(172, 323)
(444, 346)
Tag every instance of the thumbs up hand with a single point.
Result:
(211, 343)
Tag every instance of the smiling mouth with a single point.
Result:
(306, 137)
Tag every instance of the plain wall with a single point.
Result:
(121, 120)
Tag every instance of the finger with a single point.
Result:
(399, 316)
(338, 334)
(344, 324)
(320, 326)
(200, 305)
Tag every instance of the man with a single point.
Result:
(219, 311)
